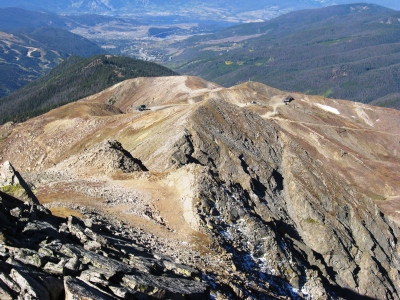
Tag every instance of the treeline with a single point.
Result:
(73, 79)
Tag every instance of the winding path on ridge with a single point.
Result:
(336, 126)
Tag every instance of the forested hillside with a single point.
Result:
(73, 79)
(345, 51)
(28, 53)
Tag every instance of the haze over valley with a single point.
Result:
(343, 51)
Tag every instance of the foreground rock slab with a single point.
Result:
(45, 257)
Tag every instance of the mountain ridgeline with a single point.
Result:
(123, 6)
(73, 79)
(344, 51)
(254, 197)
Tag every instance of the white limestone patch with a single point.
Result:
(328, 108)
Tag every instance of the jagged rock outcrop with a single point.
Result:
(7, 175)
(276, 210)
(107, 156)
(12, 183)
(44, 257)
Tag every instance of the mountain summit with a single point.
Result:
(269, 194)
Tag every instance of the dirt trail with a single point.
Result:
(166, 200)
(151, 201)
(161, 107)
(275, 102)
(336, 126)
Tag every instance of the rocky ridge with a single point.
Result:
(268, 200)
(44, 257)
(107, 156)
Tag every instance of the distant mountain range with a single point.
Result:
(254, 9)
(346, 52)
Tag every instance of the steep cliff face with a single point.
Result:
(268, 199)
(277, 210)
(343, 229)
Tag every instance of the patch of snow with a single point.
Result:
(329, 108)
(265, 266)
(304, 292)
(226, 235)
(363, 115)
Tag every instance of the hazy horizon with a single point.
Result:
(259, 9)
